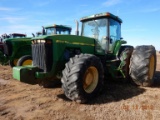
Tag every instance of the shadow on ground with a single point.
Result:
(113, 91)
(157, 79)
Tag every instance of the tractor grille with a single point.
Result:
(42, 55)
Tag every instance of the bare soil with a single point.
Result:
(21, 101)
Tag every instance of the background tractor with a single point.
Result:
(47, 30)
(17, 47)
(84, 62)
(3, 58)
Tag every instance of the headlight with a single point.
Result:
(41, 41)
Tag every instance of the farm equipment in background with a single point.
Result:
(47, 30)
(54, 30)
(3, 57)
(82, 63)
(17, 47)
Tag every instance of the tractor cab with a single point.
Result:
(56, 29)
(17, 35)
(12, 35)
(105, 28)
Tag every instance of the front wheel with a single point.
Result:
(25, 60)
(143, 65)
(82, 77)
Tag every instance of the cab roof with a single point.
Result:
(20, 34)
(101, 15)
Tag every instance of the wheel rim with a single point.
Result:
(90, 80)
(27, 62)
(151, 67)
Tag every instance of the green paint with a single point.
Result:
(25, 74)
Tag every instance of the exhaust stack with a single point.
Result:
(77, 28)
(43, 31)
(33, 34)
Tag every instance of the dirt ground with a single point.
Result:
(21, 101)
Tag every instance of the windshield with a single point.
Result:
(95, 28)
(57, 31)
(50, 31)
(62, 31)
(17, 36)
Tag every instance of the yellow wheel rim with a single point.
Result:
(27, 62)
(90, 80)
(151, 67)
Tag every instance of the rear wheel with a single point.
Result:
(122, 48)
(82, 77)
(143, 65)
(25, 60)
(125, 56)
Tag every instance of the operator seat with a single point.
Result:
(104, 43)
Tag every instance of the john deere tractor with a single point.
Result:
(17, 47)
(84, 62)
(47, 30)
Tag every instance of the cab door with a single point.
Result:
(114, 33)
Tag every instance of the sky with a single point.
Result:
(141, 18)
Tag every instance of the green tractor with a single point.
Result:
(47, 30)
(84, 62)
(17, 47)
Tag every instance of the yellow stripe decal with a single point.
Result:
(75, 43)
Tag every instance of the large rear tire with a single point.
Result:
(143, 65)
(82, 77)
(122, 48)
(25, 60)
(125, 56)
